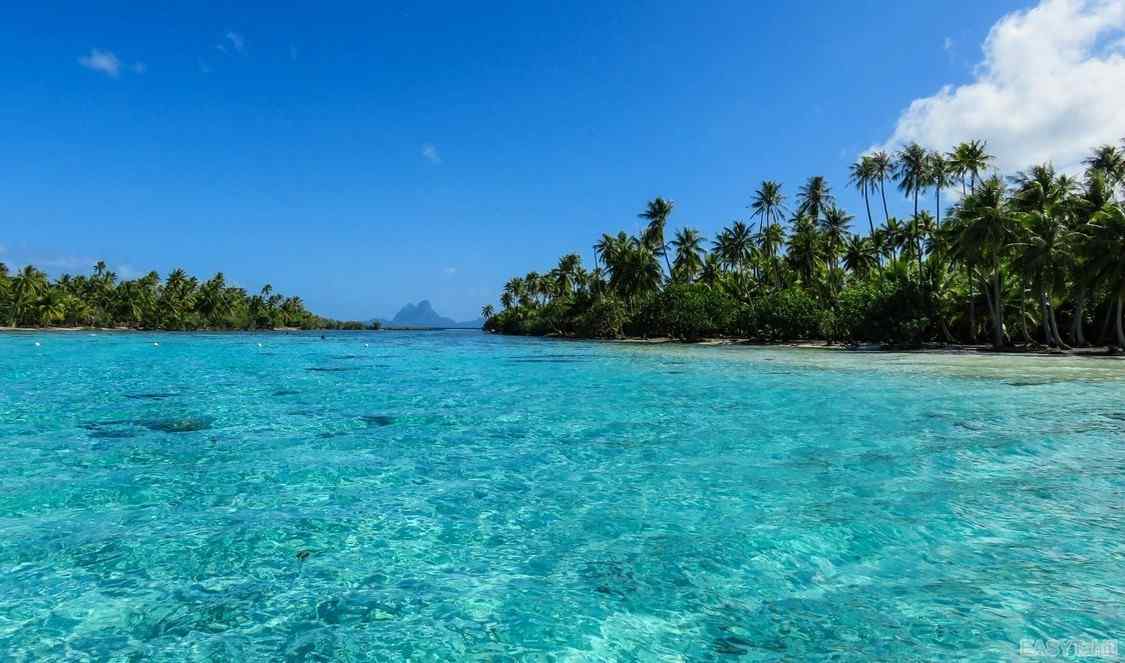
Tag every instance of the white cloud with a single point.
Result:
(948, 44)
(430, 153)
(103, 61)
(1051, 86)
(236, 40)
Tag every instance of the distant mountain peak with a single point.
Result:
(423, 314)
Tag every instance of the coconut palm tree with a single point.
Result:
(487, 312)
(969, 159)
(987, 226)
(28, 287)
(1111, 161)
(656, 212)
(1043, 252)
(634, 271)
(689, 254)
(733, 245)
(912, 172)
(712, 270)
(940, 176)
(860, 256)
(862, 176)
(805, 249)
(1039, 188)
(835, 224)
(768, 204)
(814, 197)
(770, 240)
(894, 231)
(1106, 251)
(565, 275)
(882, 169)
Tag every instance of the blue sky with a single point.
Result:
(365, 155)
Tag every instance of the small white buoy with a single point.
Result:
(366, 345)
(259, 345)
(37, 344)
(155, 344)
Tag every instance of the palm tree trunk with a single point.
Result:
(1105, 322)
(1076, 335)
(972, 308)
(918, 236)
(1045, 323)
(1023, 319)
(867, 202)
(945, 332)
(883, 192)
(1055, 327)
(1120, 330)
(937, 205)
(998, 312)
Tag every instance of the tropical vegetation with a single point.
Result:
(28, 298)
(1036, 259)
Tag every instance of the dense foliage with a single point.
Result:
(181, 302)
(1035, 259)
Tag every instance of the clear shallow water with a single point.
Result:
(466, 496)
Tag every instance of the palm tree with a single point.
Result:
(913, 234)
(27, 288)
(771, 239)
(986, 225)
(768, 205)
(656, 213)
(895, 234)
(860, 256)
(486, 312)
(1039, 188)
(805, 248)
(214, 302)
(835, 224)
(814, 197)
(609, 245)
(969, 159)
(913, 174)
(912, 171)
(1042, 251)
(1111, 161)
(882, 169)
(1106, 251)
(733, 245)
(634, 271)
(712, 269)
(863, 178)
(689, 254)
(565, 275)
(940, 177)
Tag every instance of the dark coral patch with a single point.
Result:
(179, 424)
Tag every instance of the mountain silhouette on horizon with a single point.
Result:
(423, 314)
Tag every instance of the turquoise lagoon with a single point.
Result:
(454, 495)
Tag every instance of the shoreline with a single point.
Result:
(131, 330)
(1092, 352)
